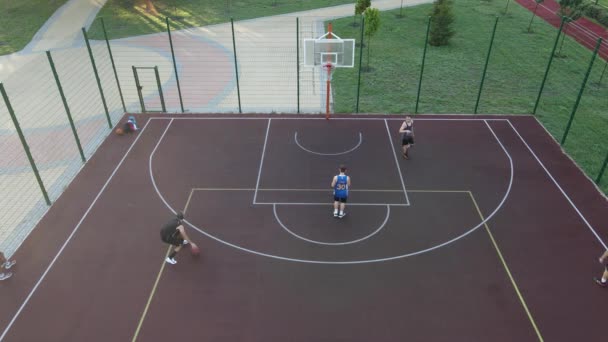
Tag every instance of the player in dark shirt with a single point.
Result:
(407, 129)
(173, 233)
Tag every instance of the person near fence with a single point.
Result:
(130, 126)
(6, 265)
(340, 183)
(407, 140)
(174, 233)
(603, 281)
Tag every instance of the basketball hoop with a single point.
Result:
(328, 70)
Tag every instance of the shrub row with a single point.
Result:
(598, 13)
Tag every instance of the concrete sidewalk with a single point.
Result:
(63, 29)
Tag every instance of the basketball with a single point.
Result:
(195, 250)
(120, 131)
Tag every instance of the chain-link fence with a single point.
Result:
(60, 106)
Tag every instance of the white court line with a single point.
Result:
(295, 137)
(418, 118)
(351, 262)
(43, 276)
(329, 189)
(330, 203)
(150, 166)
(388, 214)
(560, 188)
(257, 183)
(390, 141)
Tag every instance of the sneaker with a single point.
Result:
(4, 276)
(599, 282)
(171, 261)
(335, 214)
(342, 215)
(9, 264)
(185, 242)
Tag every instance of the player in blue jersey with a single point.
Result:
(340, 184)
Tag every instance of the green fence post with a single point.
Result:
(599, 82)
(360, 62)
(105, 34)
(298, 59)
(542, 85)
(580, 93)
(103, 98)
(65, 105)
(426, 43)
(160, 89)
(139, 87)
(179, 89)
(599, 176)
(236, 66)
(24, 144)
(485, 68)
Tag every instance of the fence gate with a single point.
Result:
(150, 99)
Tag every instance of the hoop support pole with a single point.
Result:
(327, 97)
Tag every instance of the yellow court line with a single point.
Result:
(504, 263)
(143, 315)
(160, 273)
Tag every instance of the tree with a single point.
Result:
(569, 10)
(538, 2)
(150, 7)
(372, 24)
(442, 18)
(360, 7)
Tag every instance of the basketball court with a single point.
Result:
(488, 232)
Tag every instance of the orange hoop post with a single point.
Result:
(328, 66)
(328, 85)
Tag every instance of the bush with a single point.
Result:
(442, 19)
(598, 13)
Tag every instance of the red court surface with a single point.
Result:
(488, 233)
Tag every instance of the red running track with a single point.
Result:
(582, 30)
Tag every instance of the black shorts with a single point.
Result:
(340, 199)
(173, 240)
(127, 128)
(408, 139)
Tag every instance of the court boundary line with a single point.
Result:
(392, 144)
(295, 138)
(69, 238)
(388, 214)
(559, 187)
(257, 184)
(363, 118)
(507, 270)
(330, 262)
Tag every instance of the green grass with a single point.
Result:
(21, 19)
(602, 2)
(125, 18)
(453, 73)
